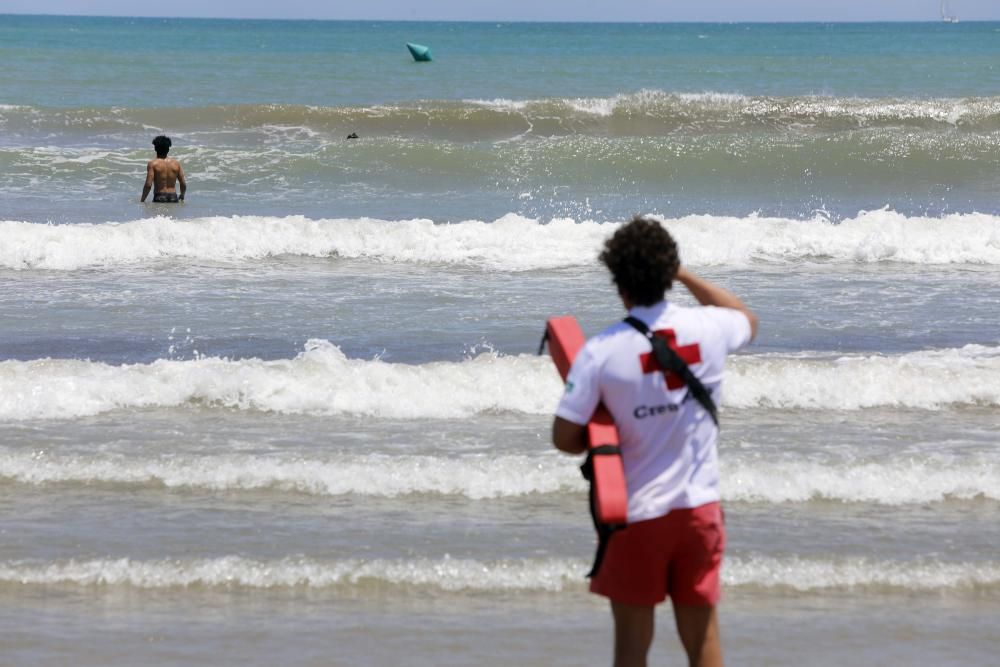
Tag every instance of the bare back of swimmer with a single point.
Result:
(163, 174)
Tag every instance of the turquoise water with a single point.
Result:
(299, 419)
(589, 121)
(100, 62)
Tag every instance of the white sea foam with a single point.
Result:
(462, 575)
(597, 106)
(61, 156)
(473, 476)
(713, 98)
(501, 104)
(448, 574)
(478, 477)
(652, 99)
(847, 111)
(872, 236)
(856, 573)
(323, 381)
(926, 380)
(900, 482)
(511, 243)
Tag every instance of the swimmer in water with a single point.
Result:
(163, 173)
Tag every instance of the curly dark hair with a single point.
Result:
(643, 260)
(162, 145)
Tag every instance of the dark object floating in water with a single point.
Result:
(352, 135)
(419, 52)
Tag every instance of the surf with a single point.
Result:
(869, 238)
(322, 380)
(746, 476)
(464, 576)
(643, 112)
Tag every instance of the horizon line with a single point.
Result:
(434, 20)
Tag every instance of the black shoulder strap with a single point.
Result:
(669, 360)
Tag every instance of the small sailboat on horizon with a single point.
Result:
(946, 14)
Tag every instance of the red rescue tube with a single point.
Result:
(610, 491)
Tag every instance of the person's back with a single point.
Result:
(663, 431)
(675, 537)
(163, 174)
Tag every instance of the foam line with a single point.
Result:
(323, 381)
(649, 108)
(745, 478)
(460, 575)
(510, 243)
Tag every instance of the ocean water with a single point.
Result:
(299, 419)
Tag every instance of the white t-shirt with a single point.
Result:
(668, 444)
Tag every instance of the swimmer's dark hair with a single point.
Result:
(643, 260)
(162, 145)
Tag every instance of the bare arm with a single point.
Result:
(710, 294)
(183, 181)
(148, 185)
(569, 437)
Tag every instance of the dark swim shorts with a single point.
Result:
(165, 198)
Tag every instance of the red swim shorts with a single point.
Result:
(677, 555)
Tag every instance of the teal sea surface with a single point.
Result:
(538, 119)
(101, 62)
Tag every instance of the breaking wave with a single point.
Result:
(323, 381)
(646, 112)
(480, 477)
(511, 243)
(476, 477)
(461, 575)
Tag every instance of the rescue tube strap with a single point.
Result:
(604, 530)
(669, 360)
(605, 450)
(545, 339)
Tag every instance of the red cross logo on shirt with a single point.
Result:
(691, 354)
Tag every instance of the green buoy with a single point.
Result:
(419, 52)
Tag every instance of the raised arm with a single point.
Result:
(710, 294)
(149, 182)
